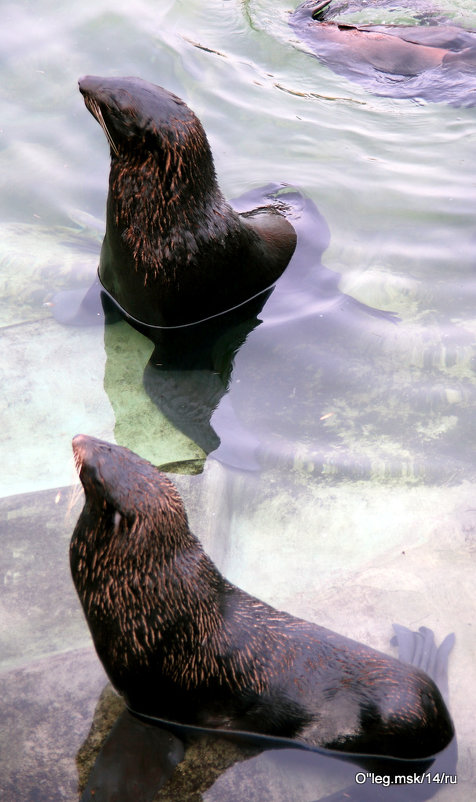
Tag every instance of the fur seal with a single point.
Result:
(181, 643)
(175, 251)
(397, 51)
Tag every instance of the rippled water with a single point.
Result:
(362, 511)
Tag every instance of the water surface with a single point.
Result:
(362, 511)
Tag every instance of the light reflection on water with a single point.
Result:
(362, 513)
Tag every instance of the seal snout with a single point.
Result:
(81, 450)
(86, 449)
(80, 442)
(88, 84)
(94, 93)
(98, 94)
(91, 459)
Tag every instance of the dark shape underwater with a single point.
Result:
(432, 61)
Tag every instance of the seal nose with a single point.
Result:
(80, 444)
(88, 83)
(85, 448)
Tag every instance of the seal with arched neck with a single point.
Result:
(175, 251)
(180, 642)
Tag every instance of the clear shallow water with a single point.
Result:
(363, 511)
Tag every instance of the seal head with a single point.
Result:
(180, 642)
(175, 251)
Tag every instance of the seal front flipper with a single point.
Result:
(84, 308)
(135, 761)
(79, 308)
(180, 642)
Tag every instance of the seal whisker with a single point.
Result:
(74, 496)
(95, 110)
(103, 125)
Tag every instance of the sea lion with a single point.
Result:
(190, 368)
(175, 251)
(181, 643)
(400, 52)
(135, 761)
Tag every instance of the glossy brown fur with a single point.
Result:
(175, 251)
(181, 642)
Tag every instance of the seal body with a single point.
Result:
(180, 642)
(175, 251)
(369, 53)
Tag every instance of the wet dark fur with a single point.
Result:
(174, 250)
(179, 641)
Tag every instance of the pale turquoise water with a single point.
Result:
(363, 512)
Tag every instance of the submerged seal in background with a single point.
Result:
(175, 252)
(181, 643)
(435, 62)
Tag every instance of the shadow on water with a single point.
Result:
(431, 60)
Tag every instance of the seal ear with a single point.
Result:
(122, 520)
(122, 513)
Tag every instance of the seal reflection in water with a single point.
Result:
(395, 56)
(180, 642)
